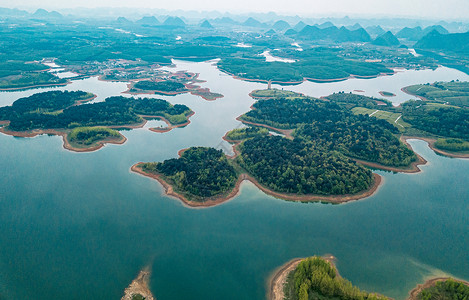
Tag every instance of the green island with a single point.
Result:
(93, 137)
(441, 288)
(317, 278)
(179, 83)
(161, 87)
(59, 112)
(273, 93)
(386, 94)
(16, 75)
(199, 175)
(319, 64)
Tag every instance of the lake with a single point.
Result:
(81, 225)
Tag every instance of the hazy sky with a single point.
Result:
(438, 9)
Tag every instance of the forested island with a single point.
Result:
(330, 126)
(59, 112)
(317, 278)
(441, 288)
(201, 176)
(91, 138)
(158, 87)
(319, 64)
(314, 278)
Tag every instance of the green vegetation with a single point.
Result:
(312, 64)
(90, 135)
(453, 145)
(246, 133)
(199, 173)
(292, 166)
(274, 93)
(29, 80)
(391, 117)
(315, 278)
(163, 86)
(448, 289)
(137, 297)
(9, 68)
(438, 120)
(328, 125)
(28, 113)
(454, 92)
(350, 100)
(387, 94)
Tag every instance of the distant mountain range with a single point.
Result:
(416, 33)
(453, 42)
(333, 33)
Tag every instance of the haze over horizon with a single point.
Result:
(449, 9)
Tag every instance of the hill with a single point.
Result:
(387, 39)
(174, 21)
(280, 25)
(454, 42)
(206, 24)
(149, 21)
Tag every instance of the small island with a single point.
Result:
(440, 288)
(63, 113)
(171, 84)
(82, 139)
(201, 176)
(314, 278)
(387, 94)
(273, 93)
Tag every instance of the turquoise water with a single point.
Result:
(81, 225)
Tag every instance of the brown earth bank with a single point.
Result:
(286, 132)
(170, 126)
(336, 199)
(139, 286)
(279, 277)
(404, 89)
(431, 144)
(169, 190)
(64, 133)
(413, 294)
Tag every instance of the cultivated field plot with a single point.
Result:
(393, 118)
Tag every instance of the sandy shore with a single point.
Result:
(431, 144)
(139, 286)
(413, 294)
(278, 278)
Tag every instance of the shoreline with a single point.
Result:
(413, 294)
(286, 132)
(382, 93)
(431, 144)
(170, 126)
(139, 286)
(404, 89)
(34, 86)
(64, 134)
(316, 80)
(169, 190)
(278, 277)
(334, 199)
